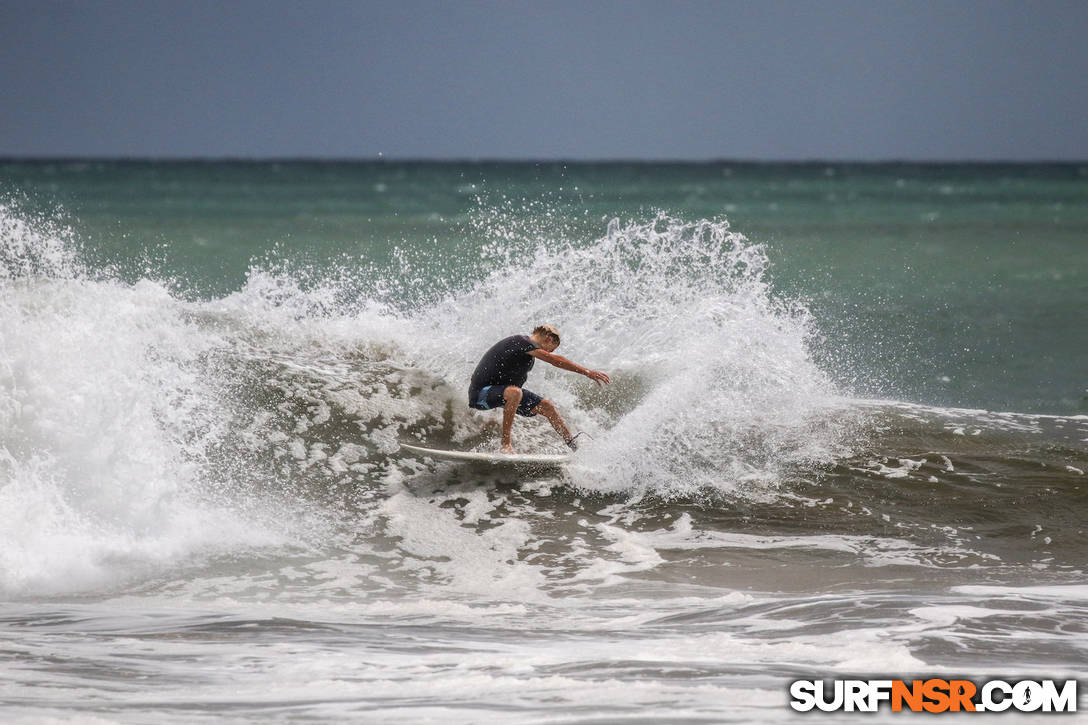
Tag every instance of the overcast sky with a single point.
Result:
(549, 79)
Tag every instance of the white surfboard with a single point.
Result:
(539, 459)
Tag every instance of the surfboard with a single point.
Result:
(510, 459)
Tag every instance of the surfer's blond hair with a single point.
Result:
(549, 331)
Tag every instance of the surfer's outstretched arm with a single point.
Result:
(564, 364)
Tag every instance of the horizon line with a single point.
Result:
(380, 159)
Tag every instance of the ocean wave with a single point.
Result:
(143, 429)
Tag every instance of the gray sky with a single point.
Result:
(552, 79)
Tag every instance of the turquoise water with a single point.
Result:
(846, 436)
(948, 284)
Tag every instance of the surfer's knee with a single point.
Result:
(545, 408)
(512, 393)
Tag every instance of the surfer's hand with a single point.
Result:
(598, 377)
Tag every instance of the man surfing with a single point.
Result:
(503, 370)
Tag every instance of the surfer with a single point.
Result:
(501, 373)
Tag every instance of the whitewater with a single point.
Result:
(207, 517)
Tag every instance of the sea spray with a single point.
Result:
(33, 245)
(715, 384)
(715, 389)
(471, 593)
(154, 428)
(107, 419)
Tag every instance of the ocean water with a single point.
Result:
(847, 435)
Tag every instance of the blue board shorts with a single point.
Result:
(491, 396)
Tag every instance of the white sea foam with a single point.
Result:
(143, 429)
(105, 423)
(714, 386)
(230, 465)
(1058, 591)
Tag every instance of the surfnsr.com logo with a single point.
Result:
(934, 695)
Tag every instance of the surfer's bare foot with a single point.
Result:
(507, 448)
